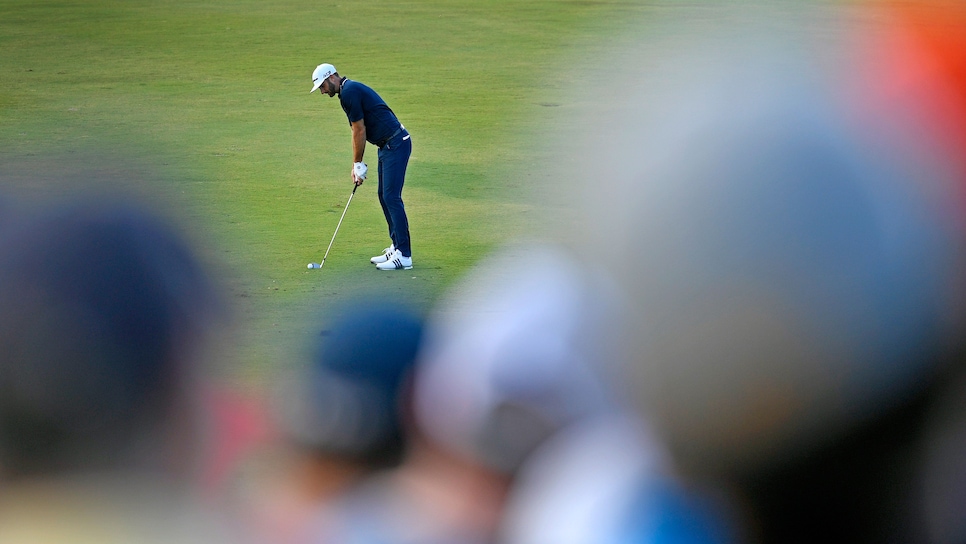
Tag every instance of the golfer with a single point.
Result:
(372, 120)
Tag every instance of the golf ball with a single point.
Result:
(312, 265)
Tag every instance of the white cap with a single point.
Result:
(321, 73)
(510, 356)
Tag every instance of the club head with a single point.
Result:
(314, 265)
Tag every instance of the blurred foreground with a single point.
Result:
(749, 329)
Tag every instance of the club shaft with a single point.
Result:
(324, 257)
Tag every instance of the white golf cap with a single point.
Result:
(321, 73)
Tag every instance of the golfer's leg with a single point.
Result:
(393, 169)
(382, 202)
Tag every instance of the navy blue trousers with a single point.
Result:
(393, 160)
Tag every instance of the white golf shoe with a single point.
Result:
(396, 261)
(384, 256)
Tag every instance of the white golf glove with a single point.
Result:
(359, 171)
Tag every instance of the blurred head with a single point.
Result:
(102, 317)
(793, 264)
(510, 353)
(349, 401)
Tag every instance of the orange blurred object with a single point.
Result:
(918, 65)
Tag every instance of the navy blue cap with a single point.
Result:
(348, 400)
(375, 345)
(102, 306)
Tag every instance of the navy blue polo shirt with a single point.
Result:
(361, 102)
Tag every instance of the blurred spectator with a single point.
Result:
(793, 251)
(104, 317)
(510, 355)
(516, 438)
(338, 419)
(507, 367)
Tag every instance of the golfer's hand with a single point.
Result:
(359, 171)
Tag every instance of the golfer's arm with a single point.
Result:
(358, 140)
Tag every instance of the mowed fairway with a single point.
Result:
(207, 105)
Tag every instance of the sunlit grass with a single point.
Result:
(212, 98)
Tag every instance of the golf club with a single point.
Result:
(320, 265)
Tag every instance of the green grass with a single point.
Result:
(206, 104)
